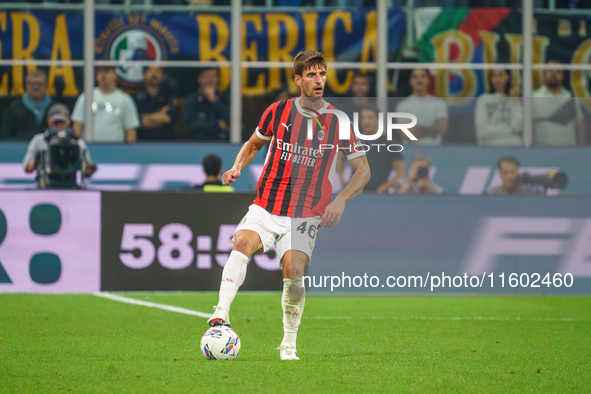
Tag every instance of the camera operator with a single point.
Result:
(508, 167)
(417, 181)
(58, 120)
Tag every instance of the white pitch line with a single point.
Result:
(191, 312)
(149, 304)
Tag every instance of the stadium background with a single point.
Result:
(184, 42)
(139, 228)
(457, 44)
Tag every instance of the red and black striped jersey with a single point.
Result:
(296, 180)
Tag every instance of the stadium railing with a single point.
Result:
(381, 68)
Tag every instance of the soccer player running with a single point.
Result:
(294, 192)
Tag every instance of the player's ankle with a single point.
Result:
(288, 344)
(224, 304)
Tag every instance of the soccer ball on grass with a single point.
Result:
(220, 343)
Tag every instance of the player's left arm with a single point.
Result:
(361, 175)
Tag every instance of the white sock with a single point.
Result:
(232, 278)
(292, 301)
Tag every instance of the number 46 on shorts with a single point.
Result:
(302, 228)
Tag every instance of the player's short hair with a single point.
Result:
(306, 60)
(36, 73)
(507, 159)
(212, 164)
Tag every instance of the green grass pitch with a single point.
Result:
(83, 343)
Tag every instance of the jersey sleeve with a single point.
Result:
(352, 146)
(264, 129)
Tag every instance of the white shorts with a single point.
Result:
(284, 232)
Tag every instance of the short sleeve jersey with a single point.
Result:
(296, 180)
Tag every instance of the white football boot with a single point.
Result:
(287, 352)
(220, 317)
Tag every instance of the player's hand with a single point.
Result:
(332, 214)
(230, 177)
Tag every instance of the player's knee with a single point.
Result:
(246, 245)
(243, 247)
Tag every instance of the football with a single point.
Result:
(220, 343)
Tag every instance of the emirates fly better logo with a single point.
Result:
(344, 129)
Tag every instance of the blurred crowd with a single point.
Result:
(152, 113)
(158, 113)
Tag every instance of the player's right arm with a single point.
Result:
(262, 135)
(244, 157)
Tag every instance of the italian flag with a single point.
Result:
(123, 46)
(432, 21)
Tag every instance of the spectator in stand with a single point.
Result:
(419, 179)
(558, 118)
(157, 107)
(115, 114)
(281, 95)
(206, 112)
(360, 89)
(499, 114)
(508, 167)
(431, 112)
(212, 166)
(26, 116)
(387, 167)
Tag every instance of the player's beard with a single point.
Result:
(311, 93)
